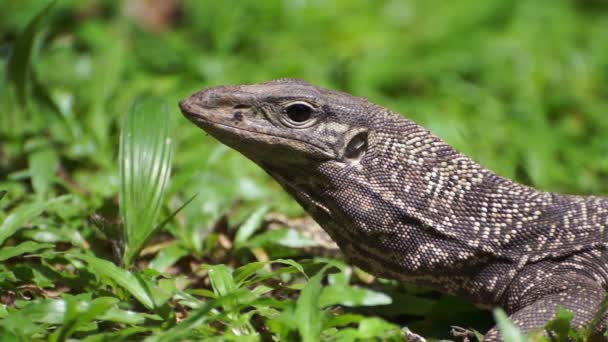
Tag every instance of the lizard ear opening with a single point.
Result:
(356, 147)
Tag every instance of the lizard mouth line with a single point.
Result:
(201, 121)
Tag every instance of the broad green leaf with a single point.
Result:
(43, 164)
(19, 61)
(54, 235)
(508, 330)
(253, 223)
(375, 327)
(46, 311)
(80, 313)
(167, 257)
(148, 294)
(8, 336)
(339, 291)
(6, 276)
(243, 273)
(22, 214)
(25, 321)
(22, 248)
(2, 194)
(352, 296)
(221, 280)
(308, 314)
(71, 313)
(285, 325)
(203, 292)
(346, 335)
(344, 320)
(262, 290)
(145, 163)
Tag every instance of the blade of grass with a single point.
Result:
(175, 212)
(308, 312)
(23, 248)
(145, 161)
(43, 163)
(167, 257)
(508, 330)
(253, 223)
(19, 61)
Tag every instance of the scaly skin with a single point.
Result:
(402, 204)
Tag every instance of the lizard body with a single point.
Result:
(403, 204)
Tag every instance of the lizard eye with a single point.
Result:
(298, 113)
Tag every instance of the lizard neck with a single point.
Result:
(417, 210)
(427, 179)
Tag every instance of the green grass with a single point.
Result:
(97, 243)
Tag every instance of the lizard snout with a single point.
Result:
(222, 96)
(227, 105)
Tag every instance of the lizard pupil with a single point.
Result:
(299, 112)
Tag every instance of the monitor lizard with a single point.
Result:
(403, 204)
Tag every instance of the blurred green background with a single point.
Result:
(521, 86)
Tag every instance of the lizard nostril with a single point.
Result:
(237, 116)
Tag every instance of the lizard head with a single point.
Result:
(283, 122)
